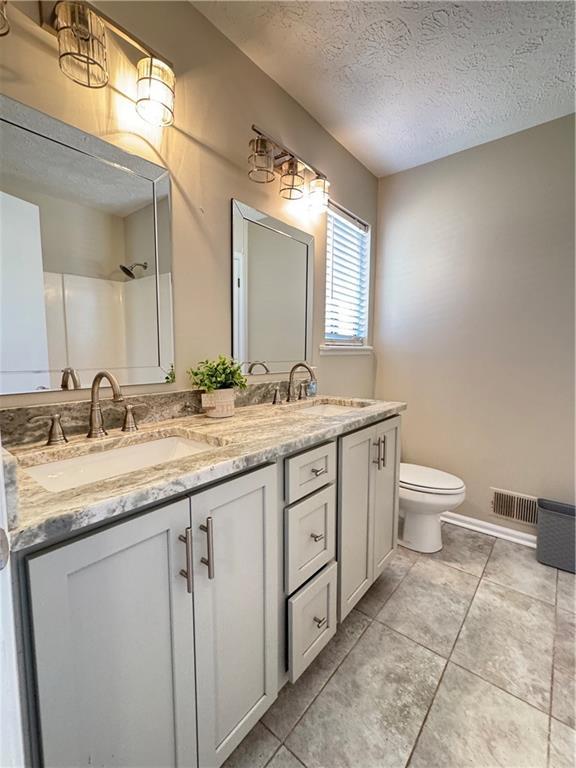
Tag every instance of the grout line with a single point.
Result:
(389, 596)
(294, 755)
(370, 622)
(519, 592)
(549, 745)
(432, 700)
(273, 755)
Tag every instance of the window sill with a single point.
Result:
(345, 349)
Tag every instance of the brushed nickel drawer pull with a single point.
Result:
(320, 622)
(317, 536)
(383, 458)
(187, 574)
(319, 471)
(378, 444)
(209, 561)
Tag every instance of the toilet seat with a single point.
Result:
(414, 477)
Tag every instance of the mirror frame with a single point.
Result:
(32, 120)
(247, 213)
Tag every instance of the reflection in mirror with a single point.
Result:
(272, 265)
(85, 259)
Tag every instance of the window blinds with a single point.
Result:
(347, 278)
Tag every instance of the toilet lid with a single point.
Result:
(428, 480)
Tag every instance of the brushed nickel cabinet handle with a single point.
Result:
(187, 574)
(209, 561)
(317, 536)
(378, 444)
(383, 457)
(320, 622)
(319, 471)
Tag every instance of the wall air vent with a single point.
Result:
(515, 506)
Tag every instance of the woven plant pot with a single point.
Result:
(219, 404)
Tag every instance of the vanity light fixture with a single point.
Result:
(292, 180)
(4, 23)
(318, 194)
(81, 31)
(155, 99)
(261, 159)
(269, 156)
(81, 44)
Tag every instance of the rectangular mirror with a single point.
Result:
(85, 258)
(272, 268)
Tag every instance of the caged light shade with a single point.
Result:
(318, 194)
(155, 91)
(261, 159)
(81, 44)
(292, 180)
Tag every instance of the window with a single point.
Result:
(347, 278)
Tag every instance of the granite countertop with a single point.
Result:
(253, 436)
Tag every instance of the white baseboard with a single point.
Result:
(491, 529)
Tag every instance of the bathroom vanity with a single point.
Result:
(163, 609)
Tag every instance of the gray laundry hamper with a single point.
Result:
(556, 542)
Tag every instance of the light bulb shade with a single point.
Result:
(292, 180)
(4, 23)
(81, 44)
(155, 94)
(261, 159)
(318, 193)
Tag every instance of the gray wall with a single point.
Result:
(474, 321)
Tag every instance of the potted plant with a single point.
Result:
(218, 379)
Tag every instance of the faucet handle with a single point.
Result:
(302, 390)
(130, 424)
(56, 434)
(277, 399)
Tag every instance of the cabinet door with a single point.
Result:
(385, 491)
(113, 641)
(355, 546)
(235, 530)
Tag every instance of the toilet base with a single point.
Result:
(422, 531)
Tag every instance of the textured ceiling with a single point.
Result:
(403, 83)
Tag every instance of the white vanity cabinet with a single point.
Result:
(367, 508)
(114, 646)
(234, 533)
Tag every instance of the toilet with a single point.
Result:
(426, 493)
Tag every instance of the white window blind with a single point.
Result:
(347, 278)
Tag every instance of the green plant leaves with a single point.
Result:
(222, 373)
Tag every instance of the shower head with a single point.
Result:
(129, 271)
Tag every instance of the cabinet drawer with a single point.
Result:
(309, 471)
(311, 620)
(310, 536)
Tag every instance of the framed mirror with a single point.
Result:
(85, 258)
(272, 271)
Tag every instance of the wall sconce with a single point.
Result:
(261, 159)
(292, 180)
(81, 44)
(4, 23)
(81, 31)
(318, 194)
(155, 99)
(269, 156)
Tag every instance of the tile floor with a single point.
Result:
(462, 659)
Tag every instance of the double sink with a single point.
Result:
(96, 466)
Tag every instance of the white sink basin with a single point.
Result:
(93, 467)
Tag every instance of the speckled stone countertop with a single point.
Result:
(254, 435)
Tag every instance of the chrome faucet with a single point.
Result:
(291, 380)
(96, 421)
(70, 375)
(258, 362)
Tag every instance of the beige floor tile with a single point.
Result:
(396, 569)
(255, 751)
(473, 724)
(562, 745)
(463, 549)
(565, 642)
(515, 566)
(566, 591)
(293, 700)
(507, 639)
(370, 712)
(430, 604)
(564, 698)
